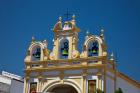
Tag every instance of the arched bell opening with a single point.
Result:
(93, 48)
(64, 49)
(62, 88)
(36, 53)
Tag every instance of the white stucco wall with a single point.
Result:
(73, 71)
(16, 86)
(122, 83)
(11, 83)
(126, 86)
(109, 85)
(5, 80)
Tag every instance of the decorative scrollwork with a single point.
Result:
(75, 54)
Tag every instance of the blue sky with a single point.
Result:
(22, 19)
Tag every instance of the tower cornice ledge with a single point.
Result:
(59, 68)
(95, 58)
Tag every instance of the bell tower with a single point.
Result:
(64, 68)
(65, 40)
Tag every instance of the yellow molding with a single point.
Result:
(56, 68)
(125, 77)
(50, 76)
(128, 79)
(97, 58)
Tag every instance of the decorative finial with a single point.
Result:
(102, 31)
(53, 40)
(112, 56)
(73, 20)
(87, 32)
(33, 39)
(45, 41)
(60, 18)
(73, 17)
(102, 34)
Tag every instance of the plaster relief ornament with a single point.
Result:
(46, 53)
(75, 54)
(28, 56)
(52, 56)
(83, 54)
(104, 53)
(58, 25)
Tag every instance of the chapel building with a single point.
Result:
(65, 69)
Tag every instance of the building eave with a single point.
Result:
(128, 79)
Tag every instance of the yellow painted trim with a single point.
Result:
(125, 77)
(74, 67)
(128, 79)
(95, 58)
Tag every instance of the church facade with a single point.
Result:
(66, 70)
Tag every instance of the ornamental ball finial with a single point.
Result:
(33, 38)
(102, 30)
(45, 41)
(73, 16)
(112, 56)
(102, 34)
(87, 32)
(60, 18)
(53, 40)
